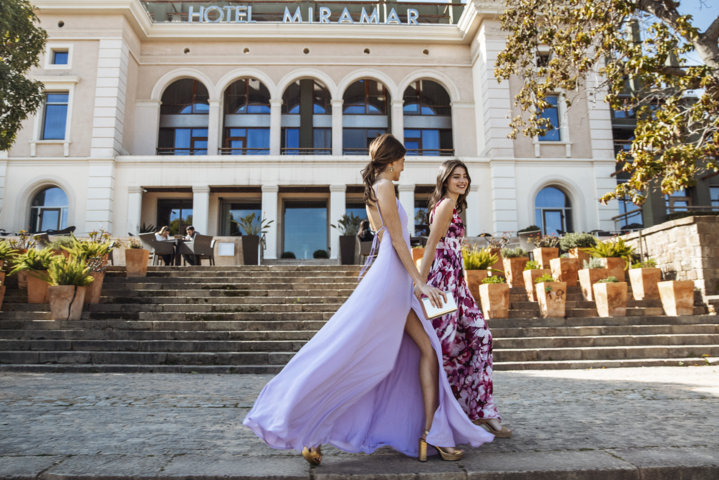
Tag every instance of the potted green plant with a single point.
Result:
(478, 264)
(514, 261)
(615, 255)
(94, 253)
(254, 228)
(494, 297)
(576, 244)
(545, 249)
(35, 263)
(677, 297)
(68, 278)
(551, 296)
(59, 245)
(320, 254)
(136, 258)
(22, 243)
(610, 296)
(531, 272)
(7, 253)
(348, 225)
(644, 277)
(592, 272)
(565, 269)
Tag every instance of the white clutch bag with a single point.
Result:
(430, 311)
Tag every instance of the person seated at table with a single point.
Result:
(190, 237)
(365, 232)
(163, 235)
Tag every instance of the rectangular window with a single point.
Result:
(322, 141)
(176, 213)
(552, 113)
(714, 197)
(55, 116)
(183, 141)
(429, 141)
(60, 57)
(247, 141)
(355, 141)
(290, 141)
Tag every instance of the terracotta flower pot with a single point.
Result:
(498, 267)
(543, 255)
(417, 253)
(565, 270)
(529, 277)
(580, 255)
(136, 262)
(588, 277)
(677, 297)
(473, 278)
(616, 266)
(93, 291)
(37, 287)
(494, 299)
(66, 302)
(2, 295)
(644, 282)
(22, 279)
(552, 298)
(513, 268)
(611, 299)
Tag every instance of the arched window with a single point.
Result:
(365, 115)
(553, 211)
(247, 118)
(306, 119)
(183, 119)
(427, 119)
(48, 210)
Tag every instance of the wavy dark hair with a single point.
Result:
(383, 150)
(440, 190)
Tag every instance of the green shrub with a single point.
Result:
(593, 263)
(288, 255)
(610, 279)
(617, 248)
(320, 254)
(61, 243)
(348, 224)
(251, 224)
(478, 259)
(513, 252)
(545, 241)
(649, 263)
(7, 252)
(494, 279)
(544, 278)
(68, 271)
(531, 228)
(577, 240)
(33, 260)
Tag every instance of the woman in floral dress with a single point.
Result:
(464, 334)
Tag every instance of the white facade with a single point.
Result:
(120, 63)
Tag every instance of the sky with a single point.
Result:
(703, 11)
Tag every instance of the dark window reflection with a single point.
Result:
(185, 97)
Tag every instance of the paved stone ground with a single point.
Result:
(634, 423)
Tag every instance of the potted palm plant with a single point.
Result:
(592, 272)
(477, 266)
(94, 253)
(677, 297)
(136, 259)
(7, 253)
(514, 261)
(644, 277)
(616, 256)
(68, 277)
(551, 296)
(494, 297)
(348, 225)
(610, 296)
(530, 274)
(22, 243)
(576, 244)
(254, 228)
(545, 249)
(35, 263)
(565, 269)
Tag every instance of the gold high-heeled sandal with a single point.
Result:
(503, 432)
(443, 452)
(312, 455)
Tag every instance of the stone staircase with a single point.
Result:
(253, 319)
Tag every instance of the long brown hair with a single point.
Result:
(383, 150)
(440, 190)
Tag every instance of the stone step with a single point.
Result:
(210, 316)
(608, 363)
(601, 321)
(108, 334)
(110, 303)
(604, 353)
(604, 341)
(215, 307)
(595, 330)
(167, 346)
(181, 325)
(239, 282)
(146, 358)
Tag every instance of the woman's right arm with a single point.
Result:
(438, 228)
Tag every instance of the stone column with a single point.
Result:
(337, 209)
(472, 226)
(337, 127)
(406, 198)
(200, 208)
(397, 127)
(134, 211)
(109, 107)
(146, 127)
(269, 211)
(100, 185)
(504, 197)
(275, 128)
(214, 128)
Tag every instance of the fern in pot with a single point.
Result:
(34, 265)
(68, 278)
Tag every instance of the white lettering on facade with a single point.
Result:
(392, 18)
(191, 14)
(345, 17)
(374, 18)
(297, 17)
(220, 16)
(325, 15)
(243, 14)
(412, 15)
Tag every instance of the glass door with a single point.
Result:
(305, 227)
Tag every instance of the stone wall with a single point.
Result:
(684, 249)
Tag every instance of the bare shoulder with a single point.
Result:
(385, 187)
(445, 206)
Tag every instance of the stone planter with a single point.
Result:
(677, 297)
(529, 277)
(552, 298)
(347, 249)
(37, 287)
(644, 282)
(66, 302)
(580, 255)
(250, 249)
(616, 266)
(136, 262)
(611, 299)
(588, 277)
(2, 295)
(565, 270)
(543, 255)
(513, 268)
(22, 280)
(473, 278)
(494, 299)
(93, 291)
(498, 267)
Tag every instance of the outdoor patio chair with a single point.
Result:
(203, 246)
(363, 249)
(157, 249)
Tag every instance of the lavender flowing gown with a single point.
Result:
(355, 384)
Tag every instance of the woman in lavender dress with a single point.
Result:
(464, 334)
(355, 385)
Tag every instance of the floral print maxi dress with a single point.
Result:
(464, 334)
